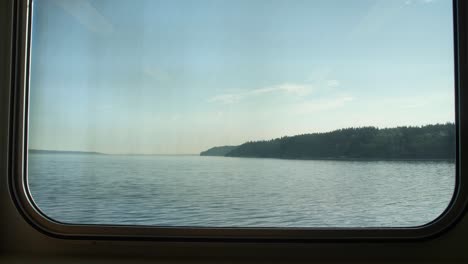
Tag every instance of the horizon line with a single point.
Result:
(198, 154)
(115, 154)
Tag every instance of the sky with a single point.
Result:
(182, 76)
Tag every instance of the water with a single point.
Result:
(238, 192)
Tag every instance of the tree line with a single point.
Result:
(406, 142)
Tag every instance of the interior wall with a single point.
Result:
(21, 242)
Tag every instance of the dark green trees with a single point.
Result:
(426, 142)
(218, 151)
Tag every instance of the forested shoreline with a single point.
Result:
(436, 141)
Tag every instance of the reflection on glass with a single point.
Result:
(268, 113)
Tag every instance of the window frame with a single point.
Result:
(19, 191)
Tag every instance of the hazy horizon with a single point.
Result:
(178, 77)
(192, 154)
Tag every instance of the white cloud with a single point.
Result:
(285, 88)
(226, 98)
(333, 83)
(297, 89)
(290, 88)
(87, 15)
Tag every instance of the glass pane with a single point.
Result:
(267, 113)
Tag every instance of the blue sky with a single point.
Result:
(181, 76)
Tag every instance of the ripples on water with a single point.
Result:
(238, 192)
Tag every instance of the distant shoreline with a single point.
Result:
(429, 142)
(66, 152)
(43, 151)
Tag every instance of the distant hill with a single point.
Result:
(218, 151)
(41, 151)
(426, 142)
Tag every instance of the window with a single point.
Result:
(154, 117)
